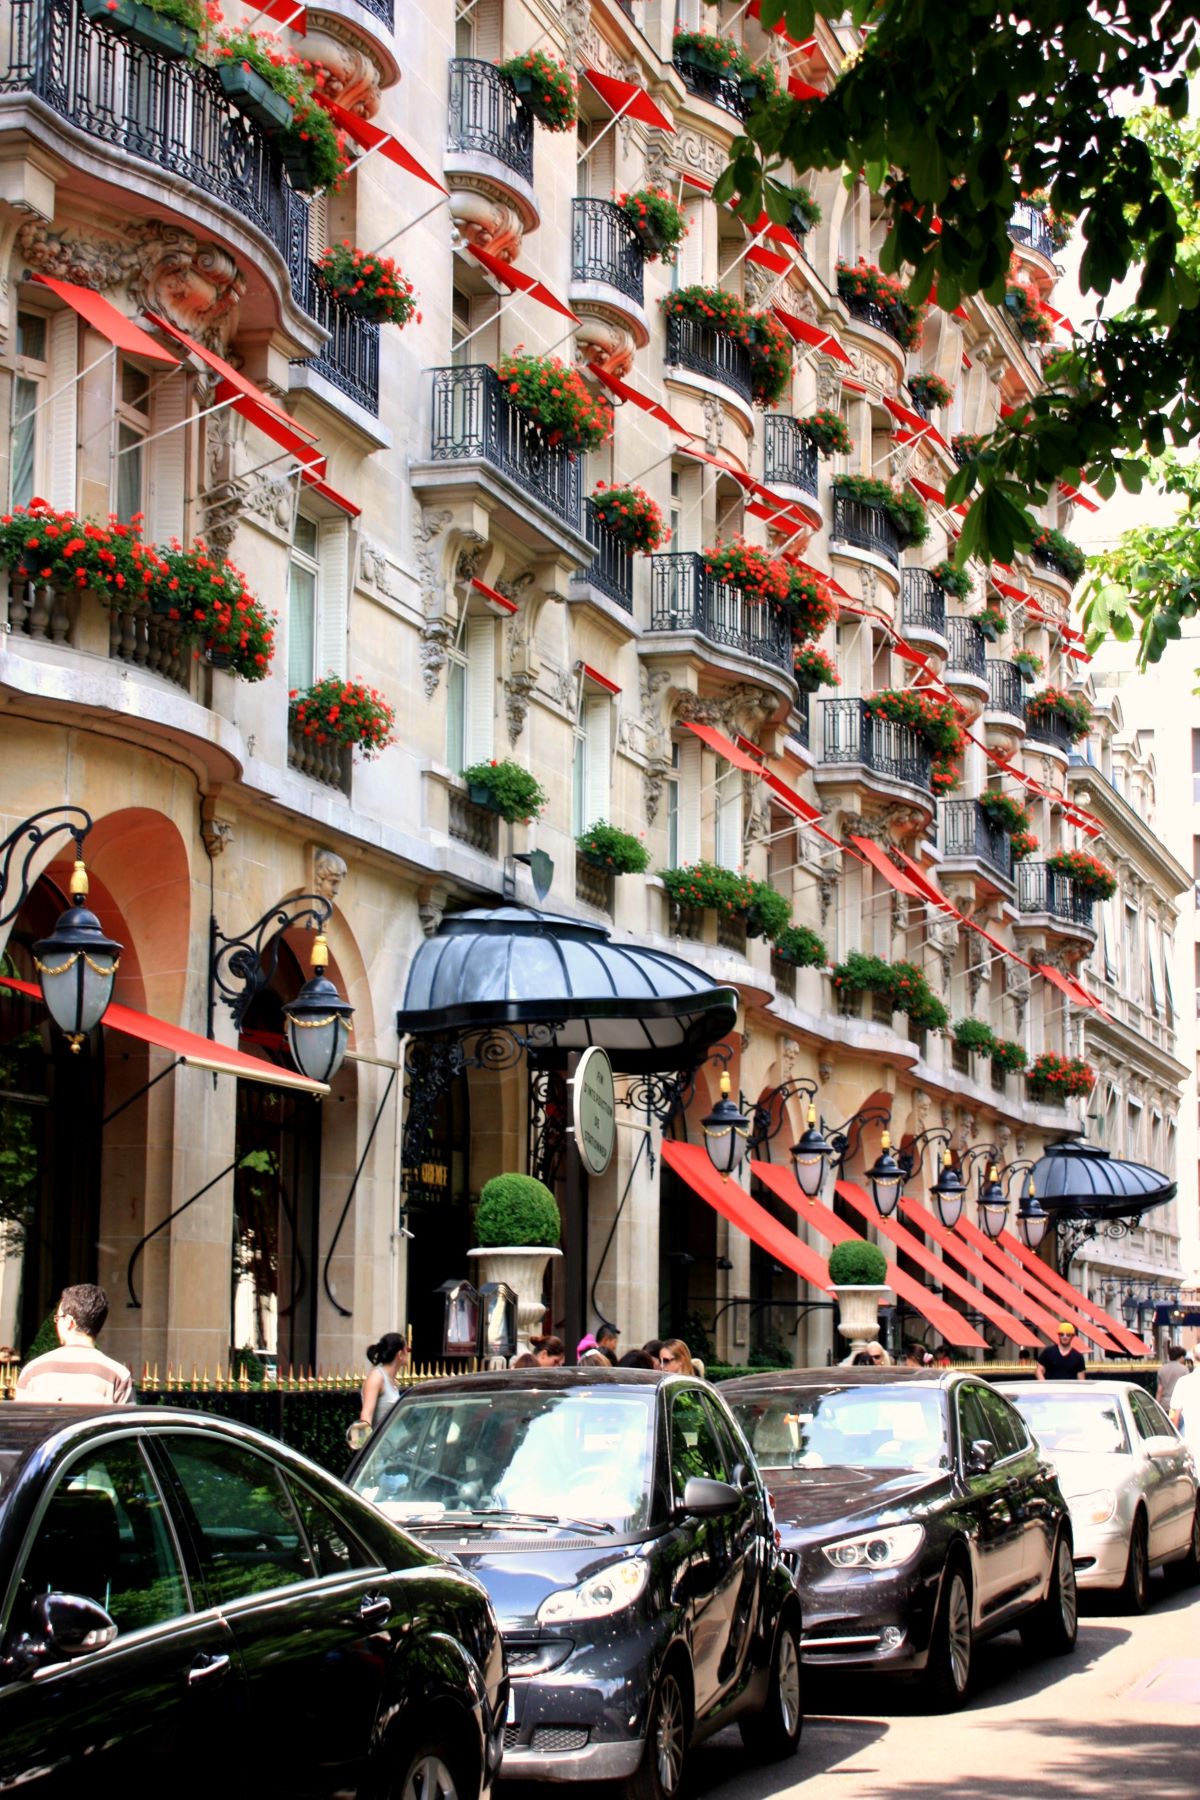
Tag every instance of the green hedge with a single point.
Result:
(313, 1421)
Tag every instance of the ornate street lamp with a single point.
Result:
(811, 1156)
(1032, 1220)
(726, 1132)
(317, 1021)
(77, 964)
(886, 1177)
(993, 1204)
(949, 1192)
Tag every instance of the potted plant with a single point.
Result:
(557, 400)
(695, 886)
(517, 1231)
(928, 391)
(715, 55)
(974, 1035)
(1029, 664)
(216, 611)
(1027, 313)
(1066, 557)
(1072, 709)
(273, 86)
(828, 431)
(768, 913)
(630, 515)
(770, 359)
(1091, 879)
(660, 224)
(801, 947)
(903, 508)
(42, 543)
(966, 445)
(992, 621)
(506, 788)
(172, 28)
(810, 602)
(544, 85)
(762, 334)
(858, 974)
(759, 575)
(935, 720)
(902, 984)
(814, 669)
(1053, 1078)
(369, 285)
(863, 282)
(349, 713)
(951, 580)
(710, 306)
(858, 1273)
(1007, 1056)
(803, 212)
(616, 852)
(1023, 844)
(1005, 811)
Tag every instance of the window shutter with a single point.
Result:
(318, 226)
(333, 557)
(480, 647)
(456, 684)
(729, 817)
(63, 412)
(486, 46)
(1151, 969)
(1106, 937)
(167, 456)
(1168, 985)
(597, 716)
(689, 801)
(689, 259)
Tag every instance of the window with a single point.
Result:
(460, 327)
(249, 1532)
(132, 424)
(595, 173)
(29, 391)
(303, 580)
(694, 1446)
(973, 1422)
(318, 599)
(687, 759)
(1195, 763)
(672, 797)
(1005, 1428)
(591, 788)
(1168, 984)
(470, 695)
(335, 1551)
(677, 520)
(728, 839)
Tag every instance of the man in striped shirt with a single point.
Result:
(77, 1374)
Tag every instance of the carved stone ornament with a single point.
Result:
(698, 155)
(518, 691)
(431, 907)
(829, 383)
(741, 708)
(652, 685)
(826, 889)
(198, 286)
(658, 162)
(899, 912)
(759, 286)
(328, 873)
(483, 218)
(436, 632)
(1018, 987)
(868, 584)
(349, 75)
(601, 338)
(377, 570)
(217, 833)
(714, 423)
(654, 778)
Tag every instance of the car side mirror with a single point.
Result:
(704, 1498)
(63, 1626)
(1162, 1445)
(982, 1456)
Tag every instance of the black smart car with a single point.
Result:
(919, 1516)
(623, 1532)
(188, 1608)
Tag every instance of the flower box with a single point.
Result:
(254, 96)
(143, 25)
(300, 162)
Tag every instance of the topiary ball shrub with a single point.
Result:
(517, 1209)
(857, 1264)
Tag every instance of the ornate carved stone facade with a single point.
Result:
(160, 267)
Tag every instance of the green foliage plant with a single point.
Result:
(903, 508)
(1008, 1056)
(311, 138)
(511, 790)
(550, 85)
(930, 390)
(857, 1263)
(518, 1210)
(802, 947)
(952, 580)
(1072, 709)
(1004, 810)
(974, 1034)
(1068, 556)
(610, 848)
(769, 912)
(828, 431)
(703, 884)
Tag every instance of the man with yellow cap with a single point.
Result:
(1059, 1362)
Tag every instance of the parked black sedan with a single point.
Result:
(919, 1515)
(623, 1532)
(189, 1608)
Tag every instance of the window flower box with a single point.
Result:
(175, 35)
(254, 96)
(505, 788)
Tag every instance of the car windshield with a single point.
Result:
(553, 1454)
(1090, 1423)
(836, 1427)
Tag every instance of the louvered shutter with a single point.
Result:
(63, 411)
(333, 557)
(167, 456)
(480, 648)
(729, 817)
(689, 801)
(597, 718)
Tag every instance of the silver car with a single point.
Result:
(1129, 1480)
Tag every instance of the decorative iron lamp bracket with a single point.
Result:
(68, 821)
(239, 968)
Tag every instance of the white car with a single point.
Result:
(1128, 1477)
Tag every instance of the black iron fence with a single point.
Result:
(725, 91)
(1028, 226)
(1042, 890)
(851, 734)
(861, 306)
(801, 723)
(705, 351)
(1006, 689)
(1046, 559)
(865, 527)
(473, 417)
(1048, 727)
(611, 568)
(964, 829)
(789, 455)
(487, 118)
(922, 603)
(968, 654)
(684, 596)
(605, 247)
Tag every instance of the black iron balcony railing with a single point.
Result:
(486, 116)
(611, 569)
(922, 603)
(708, 352)
(174, 114)
(605, 247)
(861, 306)
(1048, 727)
(865, 527)
(474, 418)
(383, 10)
(1041, 890)
(1028, 226)
(724, 91)
(800, 715)
(685, 597)
(968, 655)
(1046, 559)
(789, 455)
(964, 830)
(851, 734)
(1006, 690)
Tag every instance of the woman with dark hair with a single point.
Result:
(548, 1352)
(636, 1359)
(380, 1391)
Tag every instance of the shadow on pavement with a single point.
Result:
(1132, 1758)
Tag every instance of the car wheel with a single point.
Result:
(774, 1733)
(427, 1774)
(1135, 1589)
(660, 1773)
(1055, 1625)
(948, 1671)
(1186, 1572)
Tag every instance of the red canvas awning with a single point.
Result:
(912, 421)
(624, 391)
(775, 234)
(518, 282)
(104, 317)
(979, 1269)
(927, 491)
(597, 679)
(727, 468)
(880, 860)
(803, 90)
(329, 493)
(690, 1162)
(283, 12)
(373, 137)
(1056, 1307)
(813, 335)
(820, 575)
(716, 740)
(1061, 1286)
(953, 1327)
(251, 402)
(781, 514)
(498, 602)
(628, 101)
(788, 797)
(1076, 498)
(774, 260)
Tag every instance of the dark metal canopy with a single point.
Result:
(492, 969)
(1076, 1180)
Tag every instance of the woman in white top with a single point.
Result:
(380, 1391)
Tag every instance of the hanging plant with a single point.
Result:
(801, 947)
(944, 775)
(863, 281)
(659, 223)
(557, 399)
(336, 711)
(930, 391)
(1091, 879)
(631, 515)
(811, 604)
(369, 285)
(768, 913)
(935, 720)
(902, 507)
(616, 852)
(544, 85)
(952, 580)
(992, 621)
(1029, 663)
(1072, 709)
(216, 611)
(1005, 811)
(974, 1034)
(1007, 1056)
(709, 306)
(770, 359)
(41, 543)
(1068, 557)
(718, 55)
(902, 983)
(828, 431)
(966, 445)
(1029, 316)
(759, 575)
(273, 86)
(1056, 1077)
(170, 28)
(506, 788)
(804, 214)
(703, 884)
(814, 669)
(1023, 844)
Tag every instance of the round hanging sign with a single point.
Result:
(594, 1109)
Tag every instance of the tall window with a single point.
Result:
(686, 761)
(729, 817)
(29, 391)
(304, 577)
(470, 695)
(318, 598)
(460, 327)
(672, 799)
(132, 425)
(591, 788)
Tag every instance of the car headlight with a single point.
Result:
(1095, 1508)
(610, 1591)
(876, 1549)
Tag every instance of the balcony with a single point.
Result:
(789, 456)
(1041, 890)
(1006, 688)
(801, 726)
(1028, 227)
(350, 360)
(41, 614)
(330, 764)
(704, 351)
(851, 734)
(611, 568)
(474, 420)
(487, 120)
(1045, 727)
(922, 604)
(725, 91)
(685, 597)
(864, 527)
(968, 654)
(1046, 559)
(869, 312)
(605, 248)
(965, 833)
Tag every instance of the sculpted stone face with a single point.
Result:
(329, 872)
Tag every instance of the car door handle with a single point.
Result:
(208, 1668)
(375, 1608)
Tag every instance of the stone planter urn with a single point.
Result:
(858, 1309)
(523, 1267)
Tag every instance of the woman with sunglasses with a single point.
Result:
(675, 1358)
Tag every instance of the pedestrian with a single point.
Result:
(594, 1359)
(606, 1340)
(1169, 1376)
(914, 1355)
(586, 1343)
(1025, 1355)
(1185, 1410)
(380, 1390)
(524, 1361)
(1059, 1362)
(548, 1352)
(874, 1353)
(77, 1374)
(653, 1349)
(941, 1357)
(675, 1357)
(636, 1359)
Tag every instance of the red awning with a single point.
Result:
(912, 421)
(879, 859)
(803, 90)
(728, 468)
(943, 1318)
(813, 335)
(1076, 498)
(1061, 1286)
(788, 797)
(517, 281)
(927, 491)
(103, 317)
(775, 234)
(913, 1247)
(188, 1046)
(783, 513)
(774, 260)
(498, 602)
(820, 575)
(597, 679)
(373, 137)
(252, 402)
(984, 1272)
(628, 101)
(1055, 1306)
(284, 12)
(624, 391)
(329, 493)
(725, 747)
(691, 1163)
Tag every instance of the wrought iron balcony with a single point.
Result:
(851, 734)
(1041, 890)
(473, 418)
(383, 10)
(861, 306)
(1047, 727)
(724, 91)
(922, 603)
(1028, 226)
(1046, 559)
(708, 352)
(864, 527)
(684, 596)
(789, 455)
(611, 569)
(487, 118)
(801, 719)
(1006, 689)
(350, 360)
(605, 247)
(964, 830)
(968, 655)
